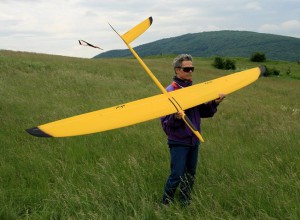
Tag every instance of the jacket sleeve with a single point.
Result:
(170, 121)
(208, 109)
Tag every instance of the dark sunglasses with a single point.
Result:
(188, 69)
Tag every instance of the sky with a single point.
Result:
(55, 26)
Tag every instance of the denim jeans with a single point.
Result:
(183, 168)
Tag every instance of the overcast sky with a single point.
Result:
(55, 26)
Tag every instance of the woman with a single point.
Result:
(183, 143)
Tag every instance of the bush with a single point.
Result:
(271, 72)
(227, 64)
(218, 63)
(258, 57)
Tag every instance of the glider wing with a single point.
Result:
(107, 119)
(146, 109)
(210, 90)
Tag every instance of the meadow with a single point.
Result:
(248, 166)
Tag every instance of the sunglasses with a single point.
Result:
(188, 69)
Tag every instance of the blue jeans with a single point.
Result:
(183, 169)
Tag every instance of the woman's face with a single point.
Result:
(184, 72)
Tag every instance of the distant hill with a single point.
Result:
(219, 43)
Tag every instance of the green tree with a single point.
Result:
(227, 64)
(258, 57)
(218, 63)
(272, 72)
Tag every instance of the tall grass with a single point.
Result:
(248, 167)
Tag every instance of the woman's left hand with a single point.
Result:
(220, 99)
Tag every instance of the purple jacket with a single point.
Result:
(176, 129)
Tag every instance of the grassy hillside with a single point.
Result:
(248, 167)
(220, 43)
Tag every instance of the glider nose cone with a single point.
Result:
(35, 131)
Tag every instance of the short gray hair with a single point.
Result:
(177, 62)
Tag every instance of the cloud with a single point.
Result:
(253, 6)
(292, 27)
(55, 26)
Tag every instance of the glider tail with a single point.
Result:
(130, 36)
(136, 31)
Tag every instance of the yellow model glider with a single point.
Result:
(148, 108)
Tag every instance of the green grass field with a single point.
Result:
(248, 168)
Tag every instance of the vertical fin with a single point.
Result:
(137, 30)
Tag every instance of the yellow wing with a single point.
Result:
(210, 90)
(148, 108)
(107, 119)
